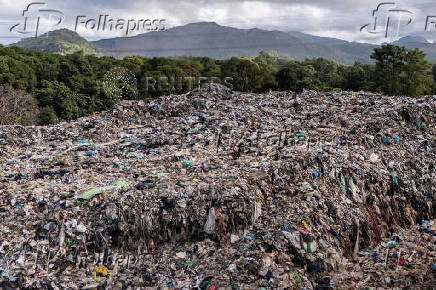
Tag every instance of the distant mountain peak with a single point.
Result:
(61, 41)
(412, 39)
(203, 23)
(64, 31)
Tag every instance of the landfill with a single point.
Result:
(216, 189)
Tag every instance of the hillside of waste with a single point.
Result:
(216, 189)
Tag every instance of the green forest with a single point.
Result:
(44, 88)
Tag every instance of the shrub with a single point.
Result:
(17, 107)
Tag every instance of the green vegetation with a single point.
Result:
(62, 41)
(401, 71)
(66, 87)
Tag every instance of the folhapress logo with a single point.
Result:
(129, 26)
(386, 17)
(38, 19)
(36, 16)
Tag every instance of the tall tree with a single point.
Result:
(296, 77)
(417, 76)
(390, 62)
(246, 73)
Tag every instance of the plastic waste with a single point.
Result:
(99, 190)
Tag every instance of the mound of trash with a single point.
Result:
(216, 189)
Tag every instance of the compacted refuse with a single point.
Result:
(216, 189)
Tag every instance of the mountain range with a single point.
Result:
(209, 39)
(221, 42)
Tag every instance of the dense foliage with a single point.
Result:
(75, 85)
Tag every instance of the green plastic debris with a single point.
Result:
(125, 140)
(262, 164)
(85, 142)
(297, 277)
(188, 263)
(417, 125)
(99, 190)
(187, 163)
(158, 173)
(394, 178)
(249, 238)
(340, 185)
(300, 136)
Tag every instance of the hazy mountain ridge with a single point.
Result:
(220, 42)
(208, 39)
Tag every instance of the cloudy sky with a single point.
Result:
(333, 18)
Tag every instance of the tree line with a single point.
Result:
(44, 88)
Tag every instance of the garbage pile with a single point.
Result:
(216, 189)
